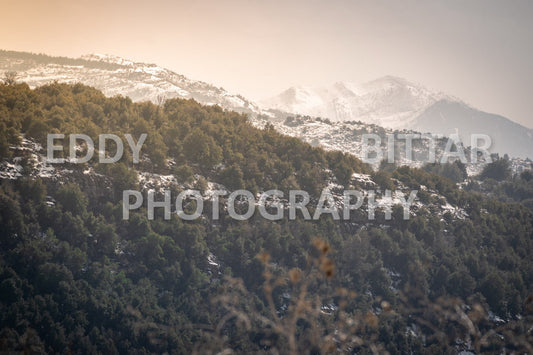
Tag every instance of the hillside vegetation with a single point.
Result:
(76, 277)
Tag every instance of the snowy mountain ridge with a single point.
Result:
(390, 102)
(139, 81)
(396, 103)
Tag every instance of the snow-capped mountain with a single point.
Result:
(396, 103)
(389, 102)
(117, 76)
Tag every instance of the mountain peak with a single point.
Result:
(389, 101)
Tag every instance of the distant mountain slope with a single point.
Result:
(390, 102)
(507, 136)
(396, 103)
(114, 75)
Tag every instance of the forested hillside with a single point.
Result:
(77, 277)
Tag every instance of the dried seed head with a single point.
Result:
(327, 267)
(341, 291)
(321, 245)
(371, 319)
(386, 306)
(264, 257)
(294, 275)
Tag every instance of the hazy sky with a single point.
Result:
(480, 51)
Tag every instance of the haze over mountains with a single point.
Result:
(390, 102)
(396, 103)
